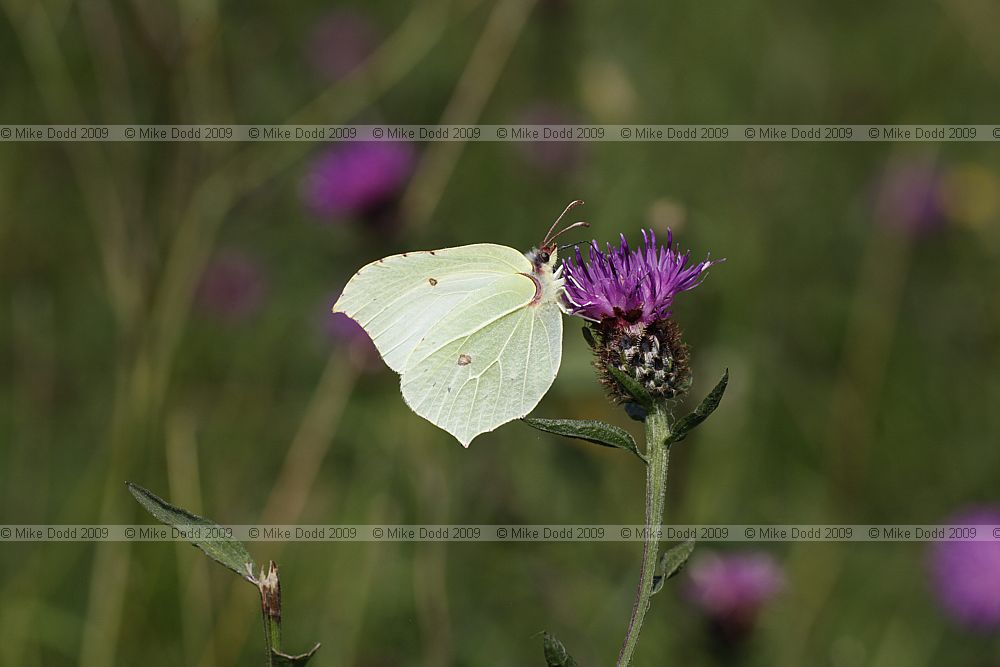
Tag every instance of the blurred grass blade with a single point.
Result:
(701, 413)
(590, 430)
(230, 553)
(629, 384)
(671, 563)
(279, 659)
(556, 654)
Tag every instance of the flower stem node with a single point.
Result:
(652, 355)
(270, 592)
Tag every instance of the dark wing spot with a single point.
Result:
(433, 253)
(464, 360)
(432, 281)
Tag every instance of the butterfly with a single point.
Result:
(475, 331)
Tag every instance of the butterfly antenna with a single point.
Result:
(567, 228)
(569, 207)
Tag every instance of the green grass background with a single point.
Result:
(863, 361)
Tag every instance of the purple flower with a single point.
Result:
(340, 43)
(909, 197)
(346, 333)
(341, 328)
(965, 575)
(357, 178)
(731, 589)
(630, 286)
(551, 157)
(232, 286)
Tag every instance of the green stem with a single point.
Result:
(272, 636)
(658, 456)
(267, 639)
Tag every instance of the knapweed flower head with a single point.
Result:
(350, 336)
(965, 575)
(909, 197)
(731, 589)
(630, 286)
(340, 42)
(233, 286)
(626, 295)
(555, 158)
(357, 178)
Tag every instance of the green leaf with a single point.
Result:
(588, 335)
(590, 430)
(279, 659)
(556, 654)
(230, 553)
(672, 561)
(629, 384)
(701, 413)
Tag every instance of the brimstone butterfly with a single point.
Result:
(475, 332)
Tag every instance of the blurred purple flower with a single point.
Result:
(357, 178)
(909, 197)
(341, 328)
(345, 332)
(731, 589)
(233, 286)
(340, 42)
(630, 286)
(553, 157)
(966, 575)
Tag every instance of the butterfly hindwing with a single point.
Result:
(485, 365)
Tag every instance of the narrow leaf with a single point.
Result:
(629, 384)
(590, 430)
(671, 562)
(588, 335)
(279, 659)
(701, 413)
(229, 553)
(556, 654)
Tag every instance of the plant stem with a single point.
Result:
(270, 607)
(658, 456)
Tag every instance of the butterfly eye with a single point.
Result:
(543, 257)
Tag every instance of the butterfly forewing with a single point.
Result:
(400, 298)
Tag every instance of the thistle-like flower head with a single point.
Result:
(731, 589)
(630, 286)
(966, 573)
(357, 178)
(626, 295)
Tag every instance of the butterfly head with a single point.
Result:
(543, 258)
(548, 279)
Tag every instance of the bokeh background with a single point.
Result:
(165, 320)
